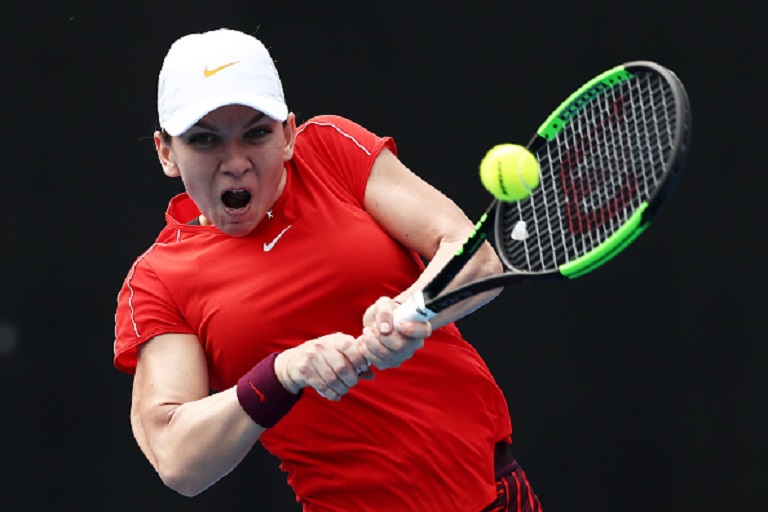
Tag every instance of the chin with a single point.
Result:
(237, 230)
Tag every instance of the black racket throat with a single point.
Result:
(481, 232)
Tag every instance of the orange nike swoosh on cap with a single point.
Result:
(210, 72)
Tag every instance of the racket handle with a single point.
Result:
(413, 310)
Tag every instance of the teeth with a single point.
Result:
(236, 199)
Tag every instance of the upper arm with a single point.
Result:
(413, 212)
(171, 370)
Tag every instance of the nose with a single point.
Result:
(235, 160)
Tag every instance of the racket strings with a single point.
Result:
(606, 162)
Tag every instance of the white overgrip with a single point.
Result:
(413, 310)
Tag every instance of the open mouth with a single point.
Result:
(236, 199)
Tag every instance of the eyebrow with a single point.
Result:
(255, 119)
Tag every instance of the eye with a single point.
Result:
(257, 132)
(202, 139)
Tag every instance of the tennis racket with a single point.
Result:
(609, 156)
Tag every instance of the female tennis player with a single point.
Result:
(273, 284)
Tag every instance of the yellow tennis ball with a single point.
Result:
(509, 172)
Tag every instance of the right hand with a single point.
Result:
(331, 364)
(386, 345)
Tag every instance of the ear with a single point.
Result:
(289, 132)
(165, 155)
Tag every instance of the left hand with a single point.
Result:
(385, 345)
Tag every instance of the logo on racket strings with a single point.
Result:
(588, 179)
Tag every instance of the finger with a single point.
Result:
(315, 380)
(384, 316)
(365, 373)
(386, 352)
(369, 315)
(360, 345)
(338, 373)
(316, 371)
(344, 370)
(329, 391)
(350, 348)
(398, 348)
(373, 351)
(409, 329)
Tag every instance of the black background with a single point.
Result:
(639, 387)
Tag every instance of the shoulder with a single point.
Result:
(340, 152)
(343, 131)
(329, 121)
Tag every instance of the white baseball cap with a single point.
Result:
(203, 72)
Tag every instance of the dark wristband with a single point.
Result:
(262, 396)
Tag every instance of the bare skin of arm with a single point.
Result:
(177, 423)
(193, 439)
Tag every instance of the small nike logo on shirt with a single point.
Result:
(210, 72)
(268, 247)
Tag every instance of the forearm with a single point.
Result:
(192, 438)
(484, 263)
(194, 444)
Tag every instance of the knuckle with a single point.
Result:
(380, 351)
(304, 372)
(395, 343)
(345, 372)
(313, 350)
(345, 343)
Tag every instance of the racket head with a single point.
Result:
(609, 156)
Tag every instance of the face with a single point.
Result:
(232, 163)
